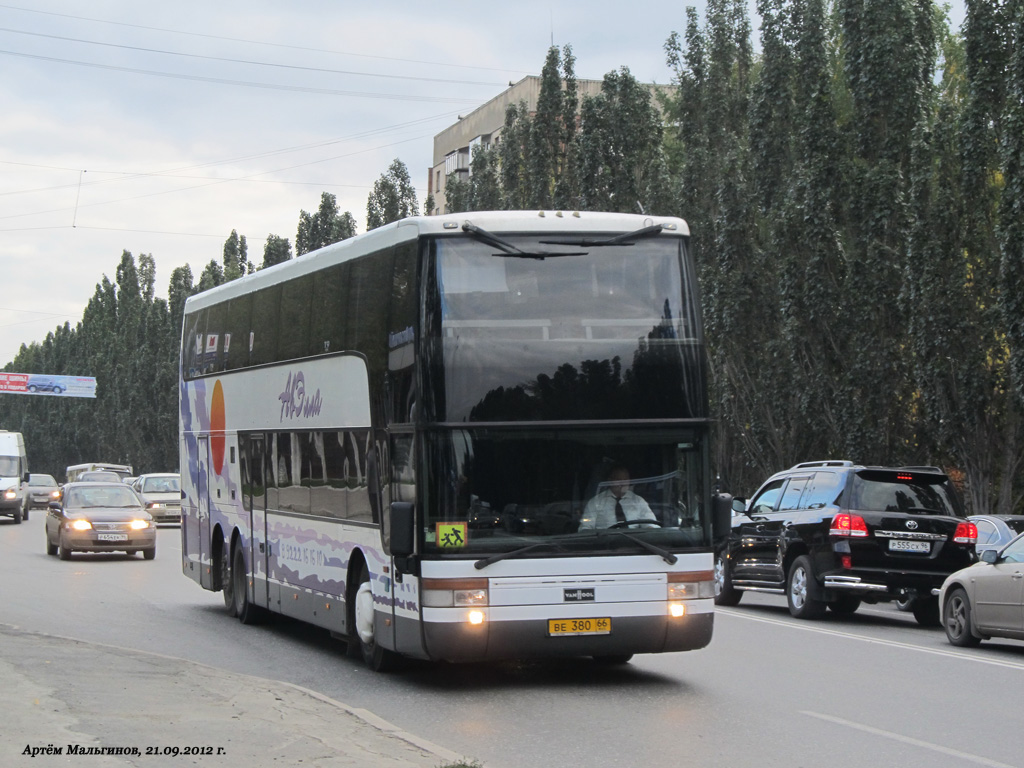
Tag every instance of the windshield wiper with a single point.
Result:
(506, 247)
(484, 562)
(623, 239)
(664, 554)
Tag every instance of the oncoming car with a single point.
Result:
(42, 489)
(161, 493)
(99, 517)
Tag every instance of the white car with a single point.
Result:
(986, 600)
(161, 492)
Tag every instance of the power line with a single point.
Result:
(246, 83)
(324, 70)
(262, 42)
(172, 173)
(213, 182)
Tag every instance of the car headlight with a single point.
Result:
(154, 505)
(10, 493)
(54, 494)
(82, 525)
(138, 525)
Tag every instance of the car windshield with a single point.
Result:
(106, 496)
(161, 485)
(100, 476)
(904, 492)
(45, 480)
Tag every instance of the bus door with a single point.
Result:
(255, 490)
(202, 486)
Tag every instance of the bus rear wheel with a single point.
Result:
(375, 656)
(246, 612)
(227, 584)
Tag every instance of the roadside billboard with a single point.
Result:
(46, 384)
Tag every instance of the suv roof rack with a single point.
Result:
(806, 464)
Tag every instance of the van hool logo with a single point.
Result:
(295, 401)
(578, 595)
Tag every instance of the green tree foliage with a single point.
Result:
(393, 197)
(620, 148)
(322, 228)
(276, 251)
(856, 202)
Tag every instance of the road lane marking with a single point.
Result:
(1019, 666)
(908, 740)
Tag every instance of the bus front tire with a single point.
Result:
(375, 656)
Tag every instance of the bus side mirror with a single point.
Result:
(403, 529)
(721, 521)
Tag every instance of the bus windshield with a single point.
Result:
(559, 332)
(498, 489)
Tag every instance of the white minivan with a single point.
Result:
(13, 474)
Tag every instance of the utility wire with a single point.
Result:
(246, 83)
(172, 173)
(251, 62)
(262, 42)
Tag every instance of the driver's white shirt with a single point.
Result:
(600, 510)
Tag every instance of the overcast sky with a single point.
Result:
(159, 128)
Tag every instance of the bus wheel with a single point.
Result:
(246, 612)
(376, 657)
(226, 583)
(613, 661)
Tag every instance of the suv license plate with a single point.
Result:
(112, 536)
(569, 627)
(901, 545)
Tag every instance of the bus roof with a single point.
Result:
(409, 229)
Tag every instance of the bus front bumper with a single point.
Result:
(497, 637)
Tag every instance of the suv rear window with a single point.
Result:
(886, 491)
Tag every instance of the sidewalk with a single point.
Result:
(82, 697)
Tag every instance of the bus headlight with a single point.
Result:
(675, 610)
(690, 586)
(451, 593)
(475, 617)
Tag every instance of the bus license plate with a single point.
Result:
(900, 545)
(569, 627)
(112, 536)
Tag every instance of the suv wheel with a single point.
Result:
(926, 611)
(725, 594)
(798, 591)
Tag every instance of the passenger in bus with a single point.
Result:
(615, 503)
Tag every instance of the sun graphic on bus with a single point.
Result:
(217, 423)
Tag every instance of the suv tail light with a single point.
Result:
(966, 533)
(845, 524)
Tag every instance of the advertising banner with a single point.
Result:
(45, 384)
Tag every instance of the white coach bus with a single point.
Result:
(410, 439)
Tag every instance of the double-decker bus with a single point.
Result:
(398, 437)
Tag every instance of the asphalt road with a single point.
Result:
(873, 689)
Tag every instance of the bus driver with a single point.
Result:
(615, 503)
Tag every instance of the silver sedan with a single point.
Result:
(986, 600)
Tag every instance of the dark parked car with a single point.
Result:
(987, 599)
(832, 534)
(99, 517)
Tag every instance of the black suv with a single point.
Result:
(833, 534)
